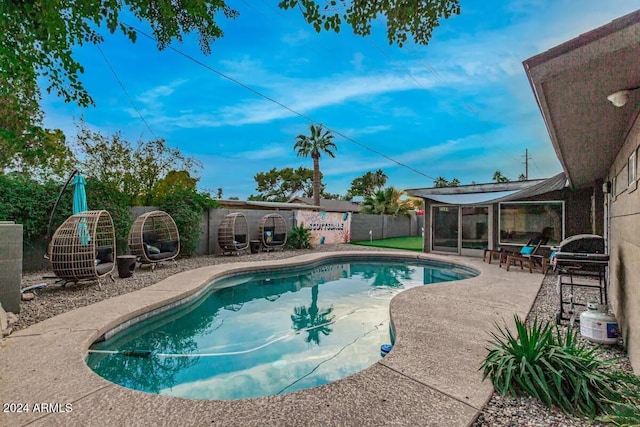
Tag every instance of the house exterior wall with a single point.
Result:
(624, 247)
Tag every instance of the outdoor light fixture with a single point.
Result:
(621, 97)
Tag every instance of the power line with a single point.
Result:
(291, 110)
(115, 75)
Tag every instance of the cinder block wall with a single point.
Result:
(362, 223)
(10, 265)
(385, 226)
(254, 216)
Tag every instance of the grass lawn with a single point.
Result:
(408, 243)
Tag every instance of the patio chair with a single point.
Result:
(154, 238)
(233, 234)
(528, 255)
(273, 232)
(83, 248)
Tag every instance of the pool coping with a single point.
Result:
(431, 376)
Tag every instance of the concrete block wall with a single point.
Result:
(385, 226)
(10, 265)
(396, 226)
(254, 216)
(362, 223)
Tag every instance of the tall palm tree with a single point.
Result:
(313, 145)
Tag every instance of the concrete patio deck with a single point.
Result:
(430, 378)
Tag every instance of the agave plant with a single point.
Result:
(556, 368)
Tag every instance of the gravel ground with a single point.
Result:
(499, 411)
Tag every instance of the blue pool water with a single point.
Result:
(267, 333)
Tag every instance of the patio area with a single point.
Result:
(431, 377)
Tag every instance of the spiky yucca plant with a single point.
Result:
(556, 368)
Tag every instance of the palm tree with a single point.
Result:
(498, 177)
(386, 201)
(441, 181)
(312, 319)
(312, 146)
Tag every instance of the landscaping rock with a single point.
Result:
(12, 318)
(28, 296)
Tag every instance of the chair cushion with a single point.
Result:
(527, 250)
(104, 268)
(161, 255)
(104, 254)
(150, 237)
(168, 246)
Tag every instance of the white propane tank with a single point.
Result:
(597, 325)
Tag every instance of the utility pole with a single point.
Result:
(526, 163)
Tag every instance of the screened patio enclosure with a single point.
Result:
(466, 220)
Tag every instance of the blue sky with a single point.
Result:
(460, 107)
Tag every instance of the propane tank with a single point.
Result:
(597, 325)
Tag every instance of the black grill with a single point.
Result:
(580, 255)
(583, 250)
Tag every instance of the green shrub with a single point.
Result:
(555, 368)
(29, 202)
(299, 237)
(186, 207)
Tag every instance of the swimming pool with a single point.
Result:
(267, 333)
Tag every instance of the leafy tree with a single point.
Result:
(38, 37)
(312, 146)
(219, 193)
(331, 196)
(387, 201)
(367, 184)
(498, 177)
(24, 144)
(173, 180)
(404, 18)
(153, 161)
(280, 185)
(521, 177)
(135, 171)
(440, 182)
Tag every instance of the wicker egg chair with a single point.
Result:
(154, 238)
(233, 234)
(83, 248)
(273, 231)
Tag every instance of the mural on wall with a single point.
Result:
(326, 227)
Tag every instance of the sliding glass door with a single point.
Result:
(445, 225)
(460, 230)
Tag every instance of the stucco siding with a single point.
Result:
(624, 248)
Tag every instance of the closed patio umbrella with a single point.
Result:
(80, 205)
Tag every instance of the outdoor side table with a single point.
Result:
(126, 264)
(255, 246)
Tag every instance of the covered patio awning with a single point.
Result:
(491, 193)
